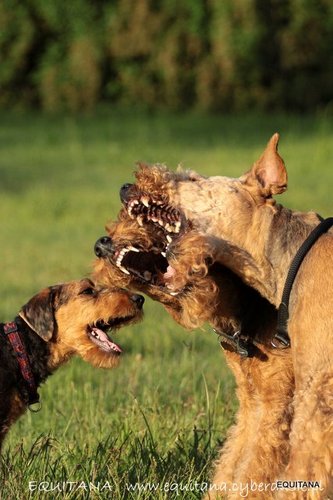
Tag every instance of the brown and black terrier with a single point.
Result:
(56, 324)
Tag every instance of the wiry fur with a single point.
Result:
(257, 447)
(256, 238)
(53, 327)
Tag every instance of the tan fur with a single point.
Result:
(257, 239)
(257, 446)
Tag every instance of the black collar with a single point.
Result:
(13, 335)
(281, 338)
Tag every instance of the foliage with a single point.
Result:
(209, 54)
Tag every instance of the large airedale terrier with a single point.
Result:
(258, 239)
(143, 256)
(59, 322)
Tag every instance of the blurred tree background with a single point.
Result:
(220, 55)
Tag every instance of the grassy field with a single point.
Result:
(161, 416)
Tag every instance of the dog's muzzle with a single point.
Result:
(103, 247)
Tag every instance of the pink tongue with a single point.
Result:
(170, 272)
(104, 339)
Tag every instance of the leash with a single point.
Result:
(15, 340)
(282, 335)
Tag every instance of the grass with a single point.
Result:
(161, 416)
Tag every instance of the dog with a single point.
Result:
(257, 239)
(138, 254)
(59, 322)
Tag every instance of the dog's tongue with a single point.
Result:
(103, 341)
(170, 272)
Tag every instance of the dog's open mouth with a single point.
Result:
(98, 333)
(147, 266)
(151, 265)
(145, 208)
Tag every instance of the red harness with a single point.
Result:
(14, 338)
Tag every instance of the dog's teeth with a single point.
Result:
(169, 239)
(168, 228)
(140, 220)
(147, 275)
(129, 211)
(161, 223)
(145, 201)
(123, 269)
(135, 202)
(133, 249)
(163, 253)
(177, 226)
(174, 293)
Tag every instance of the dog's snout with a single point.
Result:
(124, 191)
(103, 246)
(138, 300)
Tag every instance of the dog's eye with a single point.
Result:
(88, 291)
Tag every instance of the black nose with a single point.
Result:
(103, 247)
(138, 299)
(123, 191)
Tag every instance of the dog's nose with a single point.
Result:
(103, 247)
(138, 300)
(123, 191)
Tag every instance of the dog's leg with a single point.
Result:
(12, 408)
(257, 448)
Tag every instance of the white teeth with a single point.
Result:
(177, 226)
(169, 239)
(123, 269)
(147, 275)
(145, 201)
(131, 206)
(174, 293)
(161, 223)
(133, 249)
(140, 220)
(168, 227)
(163, 253)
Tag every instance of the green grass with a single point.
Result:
(162, 414)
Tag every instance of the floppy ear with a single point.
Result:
(269, 171)
(38, 313)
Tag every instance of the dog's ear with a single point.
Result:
(38, 313)
(269, 172)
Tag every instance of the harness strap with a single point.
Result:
(15, 340)
(283, 312)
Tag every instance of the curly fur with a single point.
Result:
(257, 446)
(256, 238)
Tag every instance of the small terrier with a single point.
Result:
(57, 323)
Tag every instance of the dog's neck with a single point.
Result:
(37, 349)
(263, 260)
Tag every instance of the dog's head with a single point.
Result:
(222, 211)
(75, 317)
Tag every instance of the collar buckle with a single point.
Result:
(235, 342)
